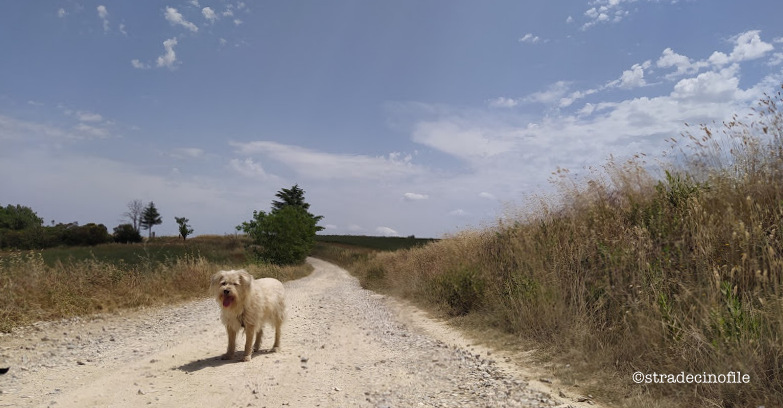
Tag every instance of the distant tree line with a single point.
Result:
(22, 228)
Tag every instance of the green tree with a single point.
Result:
(18, 218)
(184, 228)
(294, 197)
(126, 233)
(286, 234)
(150, 218)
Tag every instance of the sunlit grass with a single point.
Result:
(668, 270)
(65, 282)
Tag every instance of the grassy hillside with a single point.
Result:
(632, 269)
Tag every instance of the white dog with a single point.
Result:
(248, 304)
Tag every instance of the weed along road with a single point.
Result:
(342, 346)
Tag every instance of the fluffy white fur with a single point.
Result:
(249, 304)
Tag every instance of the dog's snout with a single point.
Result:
(226, 291)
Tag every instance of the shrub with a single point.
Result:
(462, 289)
(126, 234)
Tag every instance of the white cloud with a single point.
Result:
(12, 129)
(61, 13)
(684, 65)
(775, 59)
(237, 21)
(209, 14)
(169, 58)
(122, 30)
(530, 38)
(319, 165)
(710, 87)
(386, 232)
(748, 46)
(187, 152)
(632, 78)
(503, 102)
(567, 101)
(175, 18)
(459, 138)
(458, 213)
(486, 195)
(139, 65)
(553, 94)
(609, 11)
(248, 168)
(86, 131)
(103, 14)
(88, 116)
(414, 197)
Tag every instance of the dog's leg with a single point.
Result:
(249, 332)
(259, 336)
(232, 344)
(276, 347)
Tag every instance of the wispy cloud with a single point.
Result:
(249, 168)
(103, 14)
(176, 18)
(187, 152)
(530, 38)
(415, 197)
(503, 102)
(139, 65)
(319, 165)
(88, 116)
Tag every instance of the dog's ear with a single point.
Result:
(215, 280)
(246, 278)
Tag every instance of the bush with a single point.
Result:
(284, 237)
(126, 234)
(462, 289)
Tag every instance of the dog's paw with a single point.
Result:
(226, 357)
(246, 358)
(275, 349)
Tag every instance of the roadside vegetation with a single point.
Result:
(73, 281)
(67, 270)
(634, 268)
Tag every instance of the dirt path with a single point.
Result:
(342, 346)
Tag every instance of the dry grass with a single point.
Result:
(34, 290)
(633, 272)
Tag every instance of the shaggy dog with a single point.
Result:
(248, 304)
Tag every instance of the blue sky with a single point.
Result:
(408, 117)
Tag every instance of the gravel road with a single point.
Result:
(342, 346)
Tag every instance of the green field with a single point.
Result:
(375, 243)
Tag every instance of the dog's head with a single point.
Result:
(231, 287)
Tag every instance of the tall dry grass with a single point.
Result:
(635, 272)
(34, 290)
